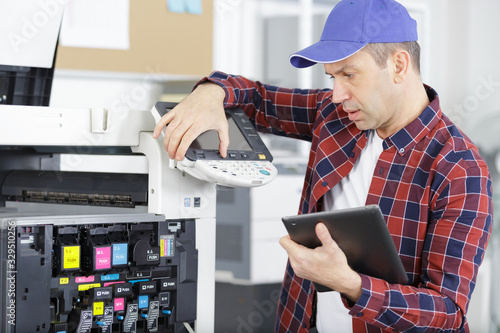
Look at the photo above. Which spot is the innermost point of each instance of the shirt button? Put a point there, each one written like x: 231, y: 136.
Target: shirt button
x: 324, y: 184
x: 401, y: 150
x: 360, y: 314
x: 353, y: 154
x: 380, y: 171
x: 304, y: 325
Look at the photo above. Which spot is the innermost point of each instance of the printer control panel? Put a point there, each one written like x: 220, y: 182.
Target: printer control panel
x: 248, y: 161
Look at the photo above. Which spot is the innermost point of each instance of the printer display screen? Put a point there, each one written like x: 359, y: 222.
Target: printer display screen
x: 210, y: 139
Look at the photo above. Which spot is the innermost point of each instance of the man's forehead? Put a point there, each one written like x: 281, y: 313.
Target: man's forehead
x: 353, y: 62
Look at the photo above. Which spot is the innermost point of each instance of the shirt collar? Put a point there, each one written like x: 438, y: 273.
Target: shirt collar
x: 406, y: 138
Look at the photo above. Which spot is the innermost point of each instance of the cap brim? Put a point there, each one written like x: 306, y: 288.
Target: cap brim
x: 325, y: 52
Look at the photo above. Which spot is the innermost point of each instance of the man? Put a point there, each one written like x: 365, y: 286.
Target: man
x: 379, y: 137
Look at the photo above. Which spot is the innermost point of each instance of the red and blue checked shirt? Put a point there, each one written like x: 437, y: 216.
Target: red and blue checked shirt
x: 430, y: 183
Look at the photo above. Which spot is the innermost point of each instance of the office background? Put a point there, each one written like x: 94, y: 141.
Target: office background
x: 460, y: 52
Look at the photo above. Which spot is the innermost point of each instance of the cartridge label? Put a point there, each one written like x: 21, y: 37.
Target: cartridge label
x: 164, y: 298
x: 84, y: 287
x: 120, y: 254
x: 110, y: 277
x: 119, y: 304
x: 85, y: 279
x: 98, y: 308
x: 103, y: 257
x: 143, y: 301
x: 71, y: 257
x: 167, y: 245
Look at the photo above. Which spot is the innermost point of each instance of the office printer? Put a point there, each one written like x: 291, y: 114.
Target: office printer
x: 97, y: 233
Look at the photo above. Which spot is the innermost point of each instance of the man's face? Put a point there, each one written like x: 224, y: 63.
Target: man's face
x: 366, y: 92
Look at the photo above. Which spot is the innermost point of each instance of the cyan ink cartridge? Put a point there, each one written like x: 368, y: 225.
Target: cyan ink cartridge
x: 117, y: 235
x: 119, y: 254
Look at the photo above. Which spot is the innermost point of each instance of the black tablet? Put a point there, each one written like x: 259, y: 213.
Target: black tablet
x: 361, y: 233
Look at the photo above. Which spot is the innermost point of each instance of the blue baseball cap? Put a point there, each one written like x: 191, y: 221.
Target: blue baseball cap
x: 353, y: 24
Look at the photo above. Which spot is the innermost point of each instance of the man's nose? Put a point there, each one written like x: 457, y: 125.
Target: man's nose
x: 340, y: 93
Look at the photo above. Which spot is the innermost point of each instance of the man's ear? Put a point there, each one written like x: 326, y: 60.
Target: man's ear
x: 401, y: 65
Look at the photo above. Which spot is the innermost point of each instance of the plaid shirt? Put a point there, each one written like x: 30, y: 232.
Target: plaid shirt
x: 430, y: 183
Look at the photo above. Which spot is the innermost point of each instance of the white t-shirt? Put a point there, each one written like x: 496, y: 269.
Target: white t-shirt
x: 332, y: 316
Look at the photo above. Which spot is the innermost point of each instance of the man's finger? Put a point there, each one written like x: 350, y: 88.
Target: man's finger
x: 224, y: 142
x: 324, y: 235
x: 286, y: 242
x: 174, y: 135
x: 160, y: 126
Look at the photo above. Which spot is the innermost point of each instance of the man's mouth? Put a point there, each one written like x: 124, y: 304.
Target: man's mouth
x: 353, y: 114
